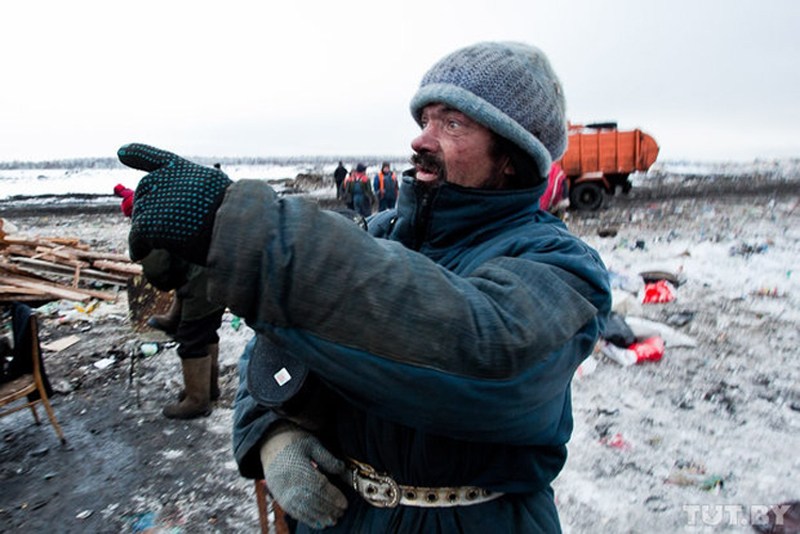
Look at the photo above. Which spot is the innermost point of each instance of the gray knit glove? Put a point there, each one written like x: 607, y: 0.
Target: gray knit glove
x: 175, y: 205
x: 295, y: 463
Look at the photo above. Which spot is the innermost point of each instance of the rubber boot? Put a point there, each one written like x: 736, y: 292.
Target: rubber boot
x: 196, y: 380
x: 169, y: 321
x: 213, y: 392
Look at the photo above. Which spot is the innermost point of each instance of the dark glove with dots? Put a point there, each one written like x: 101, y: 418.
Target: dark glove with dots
x: 174, y: 205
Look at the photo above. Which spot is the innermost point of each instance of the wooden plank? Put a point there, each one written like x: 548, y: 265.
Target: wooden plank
x: 60, y: 253
x: 20, y: 250
x: 66, y: 270
x: 60, y: 291
x: 70, y: 241
x: 111, y: 256
x: 60, y: 260
x: 128, y: 268
x: 73, y: 254
x: 49, y: 265
x: 16, y: 240
x: 20, y: 290
x: 52, y: 268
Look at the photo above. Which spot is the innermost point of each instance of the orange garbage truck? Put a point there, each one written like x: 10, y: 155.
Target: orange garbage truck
x: 599, y: 160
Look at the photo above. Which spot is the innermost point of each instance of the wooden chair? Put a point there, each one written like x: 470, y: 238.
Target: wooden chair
x: 18, y: 388
x: 270, y: 515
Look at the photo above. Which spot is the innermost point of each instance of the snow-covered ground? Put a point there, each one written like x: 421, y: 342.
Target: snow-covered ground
x: 703, y: 440
x: 88, y: 180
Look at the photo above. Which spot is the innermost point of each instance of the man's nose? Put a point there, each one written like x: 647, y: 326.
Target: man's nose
x: 426, y: 141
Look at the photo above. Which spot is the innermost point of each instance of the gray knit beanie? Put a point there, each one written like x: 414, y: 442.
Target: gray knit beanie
x: 508, y: 87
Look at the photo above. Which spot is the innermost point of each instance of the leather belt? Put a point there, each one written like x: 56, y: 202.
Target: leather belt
x: 383, y: 492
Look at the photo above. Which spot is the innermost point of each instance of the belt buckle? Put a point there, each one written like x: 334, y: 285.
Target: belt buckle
x: 379, y: 490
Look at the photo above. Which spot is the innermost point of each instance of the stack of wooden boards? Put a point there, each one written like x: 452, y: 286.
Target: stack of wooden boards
x: 52, y: 268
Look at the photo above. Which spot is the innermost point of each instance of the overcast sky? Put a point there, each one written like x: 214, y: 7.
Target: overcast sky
x: 709, y: 79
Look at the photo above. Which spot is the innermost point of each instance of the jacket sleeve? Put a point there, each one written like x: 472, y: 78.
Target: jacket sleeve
x: 251, y: 421
x: 498, y: 331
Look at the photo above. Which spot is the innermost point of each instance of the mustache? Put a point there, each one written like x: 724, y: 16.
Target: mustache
x: 429, y: 162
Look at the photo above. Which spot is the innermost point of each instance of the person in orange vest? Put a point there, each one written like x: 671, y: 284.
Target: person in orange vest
x: 386, y: 187
x: 358, y: 192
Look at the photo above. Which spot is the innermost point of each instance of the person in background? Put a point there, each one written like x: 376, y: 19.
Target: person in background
x: 444, y: 390
x: 358, y: 192
x: 191, y: 321
x: 126, y: 205
x: 555, y: 198
x: 386, y: 187
x: 339, y: 174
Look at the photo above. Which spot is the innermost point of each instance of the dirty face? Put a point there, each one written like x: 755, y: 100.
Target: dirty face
x: 454, y: 148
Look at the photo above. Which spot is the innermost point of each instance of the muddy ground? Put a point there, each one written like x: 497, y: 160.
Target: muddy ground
x: 716, y: 425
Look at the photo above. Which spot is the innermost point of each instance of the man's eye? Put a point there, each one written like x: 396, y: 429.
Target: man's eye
x: 453, y: 124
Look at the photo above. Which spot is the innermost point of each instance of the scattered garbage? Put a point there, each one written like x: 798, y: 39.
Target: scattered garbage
x: 681, y: 318
x: 143, y: 522
x: 104, y: 363
x: 625, y: 303
x: 770, y: 292
x: 693, y: 474
x: 87, y: 309
x: 627, y: 282
x: 658, y: 292
x: 644, y: 328
x: 622, y: 356
x: 746, y: 250
x: 617, y: 442
x: 61, y: 344
x: 617, y: 331
x: 148, y: 349
x: 648, y: 350
x: 676, y: 278
x: 608, y: 232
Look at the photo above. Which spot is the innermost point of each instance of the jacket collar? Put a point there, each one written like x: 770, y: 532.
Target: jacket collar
x: 446, y: 214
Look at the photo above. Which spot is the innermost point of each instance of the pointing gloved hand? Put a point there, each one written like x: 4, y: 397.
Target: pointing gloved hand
x: 174, y: 205
x: 295, y: 463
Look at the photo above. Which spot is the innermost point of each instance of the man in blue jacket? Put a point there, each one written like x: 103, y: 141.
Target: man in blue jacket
x: 453, y: 412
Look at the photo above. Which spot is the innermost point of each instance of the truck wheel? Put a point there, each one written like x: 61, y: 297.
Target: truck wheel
x: 619, y: 182
x: 586, y: 196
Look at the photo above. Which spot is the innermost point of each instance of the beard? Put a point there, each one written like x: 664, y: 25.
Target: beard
x: 430, y: 163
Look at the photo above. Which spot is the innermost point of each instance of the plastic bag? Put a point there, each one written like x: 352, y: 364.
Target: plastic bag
x: 658, y: 292
x: 648, y: 350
